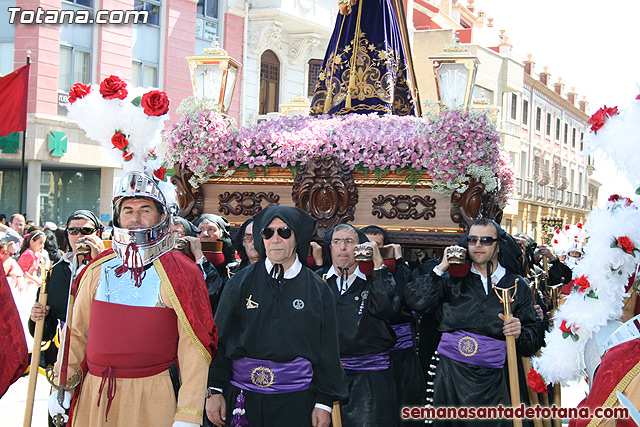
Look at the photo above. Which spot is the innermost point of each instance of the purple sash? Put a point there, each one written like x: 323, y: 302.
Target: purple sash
x: 404, y: 334
x: 479, y: 350
x: 367, y: 362
x: 267, y: 377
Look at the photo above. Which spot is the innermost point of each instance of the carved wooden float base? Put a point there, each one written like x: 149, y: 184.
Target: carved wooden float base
x: 415, y: 216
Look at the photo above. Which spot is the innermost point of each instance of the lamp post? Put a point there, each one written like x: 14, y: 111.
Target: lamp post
x: 213, y: 76
x: 455, y: 71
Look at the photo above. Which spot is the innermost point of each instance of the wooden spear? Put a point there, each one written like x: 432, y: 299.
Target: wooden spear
x: 512, y: 358
x: 35, y: 354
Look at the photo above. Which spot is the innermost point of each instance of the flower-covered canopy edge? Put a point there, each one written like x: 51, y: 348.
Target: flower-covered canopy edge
x: 449, y: 147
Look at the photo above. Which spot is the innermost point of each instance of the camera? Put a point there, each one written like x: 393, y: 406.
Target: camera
x: 181, y: 245
x: 82, y: 247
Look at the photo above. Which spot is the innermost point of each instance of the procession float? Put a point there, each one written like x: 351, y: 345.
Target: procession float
x: 422, y: 179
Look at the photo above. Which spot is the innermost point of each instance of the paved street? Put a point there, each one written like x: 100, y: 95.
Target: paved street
x: 13, y: 402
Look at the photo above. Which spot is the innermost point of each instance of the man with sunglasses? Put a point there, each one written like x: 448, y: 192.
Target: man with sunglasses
x: 278, y: 360
x: 83, y: 231
x: 472, y: 349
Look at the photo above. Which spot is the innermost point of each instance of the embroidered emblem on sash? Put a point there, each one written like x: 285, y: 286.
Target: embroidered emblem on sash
x: 251, y: 304
x: 467, y: 346
x: 298, y: 304
x: 262, y: 377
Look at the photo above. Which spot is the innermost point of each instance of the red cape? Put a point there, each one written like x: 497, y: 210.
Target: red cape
x: 616, y: 370
x: 14, y: 356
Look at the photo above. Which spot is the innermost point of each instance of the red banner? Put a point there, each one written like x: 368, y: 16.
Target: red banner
x: 13, y: 98
x: 14, y: 357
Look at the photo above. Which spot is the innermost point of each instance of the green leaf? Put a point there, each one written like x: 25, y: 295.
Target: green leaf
x: 170, y: 172
x: 251, y: 173
x: 592, y: 294
x: 638, y: 191
x: 136, y: 101
x: 265, y: 169
x: 566, y: 334
x: 575, y: 337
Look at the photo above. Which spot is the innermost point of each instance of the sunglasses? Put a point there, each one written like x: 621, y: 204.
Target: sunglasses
x: 84, y: 230
x: 484, y: 240
x: 284, y: 232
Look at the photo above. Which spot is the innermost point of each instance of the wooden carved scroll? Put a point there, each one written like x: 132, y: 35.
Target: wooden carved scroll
x: 404, y: 207
x: 325, y: 189
x: 473, y: 204
x: 248, y: 203
x: 190, y: 200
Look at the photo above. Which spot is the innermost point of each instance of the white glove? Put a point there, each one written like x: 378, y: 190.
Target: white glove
x: 55, y: 408
x: 183, y: 424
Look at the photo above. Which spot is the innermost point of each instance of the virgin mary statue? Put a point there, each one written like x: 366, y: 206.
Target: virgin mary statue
x: 365, y: 68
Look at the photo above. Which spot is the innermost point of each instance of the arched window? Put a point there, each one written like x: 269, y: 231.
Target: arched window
x: 269, y: 82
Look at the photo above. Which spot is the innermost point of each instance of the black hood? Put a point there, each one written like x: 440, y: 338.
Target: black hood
x: 510, y: 255
x: 221, y: 222
x: 296, y: 219
x: 326, y: 249
x: 87, y: 215
x: 190, y: 229
x: 374, y: 229
x: 238, y: 240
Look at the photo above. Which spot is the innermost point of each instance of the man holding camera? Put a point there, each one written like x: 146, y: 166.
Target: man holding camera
x: 83, y: 232
x: 364, y: 305
x: 473, y: 345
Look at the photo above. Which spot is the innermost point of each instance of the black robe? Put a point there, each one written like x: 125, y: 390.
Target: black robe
x: 405, y: 363
x: 466, y: 306
x: 372, y: 395
x: 57, y: 298
x: 279, y: 332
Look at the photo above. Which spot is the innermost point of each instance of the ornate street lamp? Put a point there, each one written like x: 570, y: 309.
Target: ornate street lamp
x: 455, y: 71
x: 213, y: 76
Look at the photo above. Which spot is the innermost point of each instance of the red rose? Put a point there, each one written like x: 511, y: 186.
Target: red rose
x: 112, y: 87
x: 611, y: 111
x: 626, y: 244
x: 597, y: 120
x: 566, y: 227
x: 127, y: 156
x: 582, y: 283
x: 119, y: 141
x: 579, y: 225
x: 627, y: 201
x: 536, y: 382
x: 555, y: 241
x: 155, y: 103
x: 159, y: 173
x: 78, y: 91
x: 557, y: 231
x: 638, y: 97
x: 614, y: 198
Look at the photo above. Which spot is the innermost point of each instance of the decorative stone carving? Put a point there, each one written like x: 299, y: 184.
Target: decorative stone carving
x: 473, y: 204
x: 190, y: 200
x: 269, y: 37
x: 325, y: 189
x: 302, y: 47
x: 404, y: 207
x: 249, y: 203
